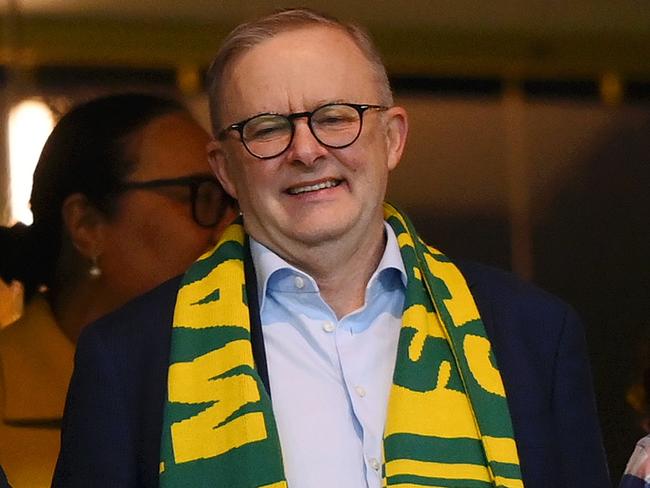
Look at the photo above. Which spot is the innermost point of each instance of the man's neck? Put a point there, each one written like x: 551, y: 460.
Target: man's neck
x: 341, y: 268
x: 343, y: 286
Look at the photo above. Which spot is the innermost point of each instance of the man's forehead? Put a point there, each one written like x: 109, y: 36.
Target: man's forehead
x: 318, y: 40
x: 306, y: 32
x: 312, y: 63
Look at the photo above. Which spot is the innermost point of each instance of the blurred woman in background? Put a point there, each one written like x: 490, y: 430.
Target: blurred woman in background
x: 123, y: 199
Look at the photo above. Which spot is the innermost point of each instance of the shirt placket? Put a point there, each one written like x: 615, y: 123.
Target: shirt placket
x: 361, y: 393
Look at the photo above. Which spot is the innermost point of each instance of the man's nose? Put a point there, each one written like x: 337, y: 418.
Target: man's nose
x: 305, y: 148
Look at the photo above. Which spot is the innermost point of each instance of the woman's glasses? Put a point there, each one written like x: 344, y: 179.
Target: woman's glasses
x: 208, y: 198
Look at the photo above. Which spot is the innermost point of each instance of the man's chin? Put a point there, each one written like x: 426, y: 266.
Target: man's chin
x: 318, y: 234
x: 317, y: 237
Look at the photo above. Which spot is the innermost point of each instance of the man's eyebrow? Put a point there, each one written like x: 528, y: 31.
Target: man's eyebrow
x: 328, y: 101
x: 259, y: 112
x: 314, y: 106
x: 322, y: 102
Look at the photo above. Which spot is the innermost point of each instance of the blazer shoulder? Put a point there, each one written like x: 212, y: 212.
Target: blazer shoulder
x: 145, y: 315
x: 505, y: 289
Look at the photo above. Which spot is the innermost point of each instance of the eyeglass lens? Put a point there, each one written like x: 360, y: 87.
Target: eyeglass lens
x: 332, y: 125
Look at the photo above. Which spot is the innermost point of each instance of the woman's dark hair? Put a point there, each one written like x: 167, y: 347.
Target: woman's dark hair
x: 85, y: 153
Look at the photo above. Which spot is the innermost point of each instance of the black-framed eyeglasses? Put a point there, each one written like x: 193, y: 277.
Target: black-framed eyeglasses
x: 335, y: 125
x: 209, y: 200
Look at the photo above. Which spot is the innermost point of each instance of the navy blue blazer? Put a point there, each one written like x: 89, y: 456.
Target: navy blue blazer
x: 112, y: 423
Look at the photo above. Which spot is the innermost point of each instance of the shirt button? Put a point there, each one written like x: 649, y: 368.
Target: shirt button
x: 329, y: 326
x: 299, y: 282
x: 361, y: 391
x: 374, y: 464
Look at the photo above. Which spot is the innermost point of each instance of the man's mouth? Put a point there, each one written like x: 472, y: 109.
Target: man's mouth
x: 297, y: 190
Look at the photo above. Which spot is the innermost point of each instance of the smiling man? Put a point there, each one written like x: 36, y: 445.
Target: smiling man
x: 310, y: 160
x: 322, y: 343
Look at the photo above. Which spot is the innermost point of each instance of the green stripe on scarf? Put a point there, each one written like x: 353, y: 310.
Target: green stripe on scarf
x: 448, y: 422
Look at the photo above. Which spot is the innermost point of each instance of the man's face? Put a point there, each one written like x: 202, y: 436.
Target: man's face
x: 298, y: 71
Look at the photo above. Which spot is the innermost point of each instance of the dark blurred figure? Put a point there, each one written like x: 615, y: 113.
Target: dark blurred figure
x: 123, y: 199
x: 592, y: 250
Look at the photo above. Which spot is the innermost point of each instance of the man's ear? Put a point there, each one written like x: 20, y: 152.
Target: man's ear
x: 219, y: 164
x: 397, y: 128
x: 84, y: 224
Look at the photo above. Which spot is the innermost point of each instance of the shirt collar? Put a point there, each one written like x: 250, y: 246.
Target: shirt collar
x: 267, y: 263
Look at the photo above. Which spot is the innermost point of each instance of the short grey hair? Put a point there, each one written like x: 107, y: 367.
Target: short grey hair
x: 248, y: 35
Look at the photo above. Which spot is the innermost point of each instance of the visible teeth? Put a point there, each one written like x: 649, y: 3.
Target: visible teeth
x: 319, y: 186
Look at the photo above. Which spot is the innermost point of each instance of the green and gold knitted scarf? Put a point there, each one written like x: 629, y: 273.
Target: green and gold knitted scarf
x: 448, y: 421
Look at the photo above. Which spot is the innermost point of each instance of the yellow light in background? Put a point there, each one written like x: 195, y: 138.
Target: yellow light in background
x: 30, y: 123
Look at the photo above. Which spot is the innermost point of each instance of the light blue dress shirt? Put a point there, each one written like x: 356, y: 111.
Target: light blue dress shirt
x: 329, y: 378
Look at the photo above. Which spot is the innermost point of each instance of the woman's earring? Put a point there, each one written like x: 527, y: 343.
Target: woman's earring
x: 94, y: 271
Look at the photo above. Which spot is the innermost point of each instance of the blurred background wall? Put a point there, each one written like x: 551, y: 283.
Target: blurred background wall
x: 529, y: 147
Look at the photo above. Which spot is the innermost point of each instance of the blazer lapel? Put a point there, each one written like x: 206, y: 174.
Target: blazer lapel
x: 257, y: 338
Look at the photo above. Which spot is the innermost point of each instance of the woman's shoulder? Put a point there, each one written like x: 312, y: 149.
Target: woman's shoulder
x: 35, y: 313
